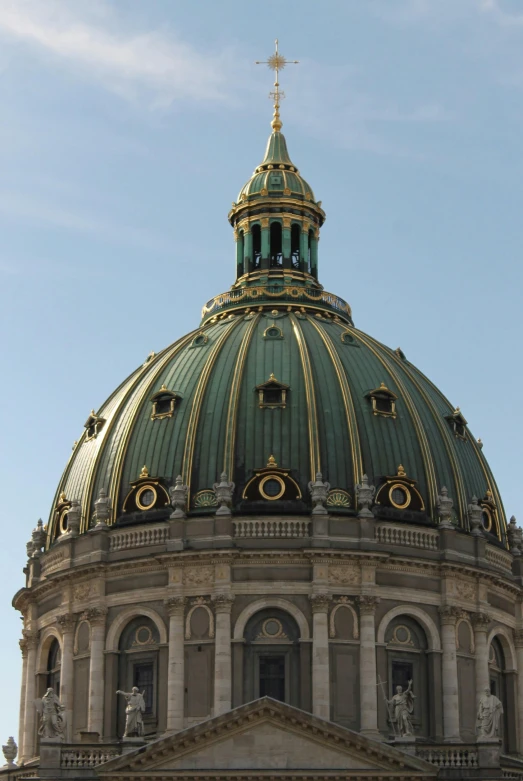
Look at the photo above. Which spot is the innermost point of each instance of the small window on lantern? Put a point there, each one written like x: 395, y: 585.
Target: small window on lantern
x: 164, y: 403
x: 272, y: 394
x: 383, y: 401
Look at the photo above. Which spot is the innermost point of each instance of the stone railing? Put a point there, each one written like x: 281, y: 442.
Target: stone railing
x: 271, y: 529
x: 124, y: 539
x: 449, y: 756
x: 87, y: 756
x: 53, y: 559
x: 407, y: 536
x: 499, y: 558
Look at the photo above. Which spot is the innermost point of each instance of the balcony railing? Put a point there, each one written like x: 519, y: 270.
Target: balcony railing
x: 273, y: 293
x: 271, y: 529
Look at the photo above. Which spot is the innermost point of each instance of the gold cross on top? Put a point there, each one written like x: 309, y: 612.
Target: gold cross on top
x: 276, y: 62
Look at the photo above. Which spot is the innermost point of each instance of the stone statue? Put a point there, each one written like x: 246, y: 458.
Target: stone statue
x: 318, y: 491
x: 475, y: 514
x: 490, y: 711
x: 102, y: 509
x: 402, y: 705
x: 133, y: 713
x: 74, y: 517
x: 515, y: 537
x: 445, y: 505
x: 224, y: 492
x: 52, y: 716
x: 10, y: 750
x: 178, y: 493
x: 365, y: 495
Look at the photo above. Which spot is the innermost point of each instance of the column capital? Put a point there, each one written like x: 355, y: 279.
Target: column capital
x: 95, y: 615
x: 175, y: 606
x: 223, y: 602
x: 368, y: 604
x: 320, y: 602
x: 480, y: 621
x: 30, y: 639
x: 66, y: 622
x: 449, y: 614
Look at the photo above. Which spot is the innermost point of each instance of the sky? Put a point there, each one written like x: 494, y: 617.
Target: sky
x: 127, y: 128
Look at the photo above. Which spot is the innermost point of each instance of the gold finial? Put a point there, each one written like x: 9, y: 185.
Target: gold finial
x: 272, y: 461
x: 61, y: 498
x: 401, y: 471
x: 277, y: 63
x: 272, y: 378
x: 144, y: 472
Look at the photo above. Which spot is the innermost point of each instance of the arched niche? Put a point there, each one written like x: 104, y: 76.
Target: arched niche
x: 49, y: 634
x: 343, y: 622
x: 199, y: 622
x: 506, y: 641
x: 82, y: 637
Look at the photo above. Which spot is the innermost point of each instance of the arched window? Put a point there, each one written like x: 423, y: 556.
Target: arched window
x: 138, y: 666
x: 54, y: 665
x: 295, y: 245
x: 272, y: 657
x: 256, y: 246
x: 406, y: 659
x: 276, y: 256
x: 240, y: 252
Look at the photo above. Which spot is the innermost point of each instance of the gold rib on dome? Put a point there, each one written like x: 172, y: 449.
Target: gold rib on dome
x: 312, y: 414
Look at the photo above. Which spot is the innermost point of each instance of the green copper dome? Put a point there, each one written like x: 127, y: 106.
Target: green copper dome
x: 275, y: 387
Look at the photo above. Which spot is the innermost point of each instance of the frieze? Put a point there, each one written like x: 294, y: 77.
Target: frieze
x: 462, y: 589
x: 82, y: 591
x: 344, y: 575
x: 198, y: 576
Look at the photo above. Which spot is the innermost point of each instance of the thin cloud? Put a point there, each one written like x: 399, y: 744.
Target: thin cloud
x: 27, y: 210
x: 156, y: 62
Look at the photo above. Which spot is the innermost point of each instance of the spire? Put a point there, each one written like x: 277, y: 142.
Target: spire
x: 276, y: 62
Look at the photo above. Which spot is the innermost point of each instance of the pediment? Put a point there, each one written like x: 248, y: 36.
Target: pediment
x: 262, y: 736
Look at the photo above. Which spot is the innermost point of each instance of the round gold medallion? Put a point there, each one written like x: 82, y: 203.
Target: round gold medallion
x: 399, y: 496
x: 146, y: 497
x: 272, y: 487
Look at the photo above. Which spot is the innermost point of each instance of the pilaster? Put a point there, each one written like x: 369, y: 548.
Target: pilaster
x: 97, y: 618
x: 176, y: 670
x: 448, y: 617
x: 368, y: 688
x: 222, y: 658
x: 320, y: 655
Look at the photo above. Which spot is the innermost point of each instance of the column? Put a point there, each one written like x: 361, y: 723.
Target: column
x: 481, y: 623
x: 304, y: 247
x: 286, y: 242
x: 449, y: 673
x: 67, y: 623
x: 368, y: 683
x: 222, y: 653
x: 314, y: 254
x: 32, y: 640
x: 96, y: 617
x: 265, y: 242
x: 518, y: 638
x: 247, y: 250
x: 239, y: 239
x: 23, y: 649
x: 176, y: 667
x: 320, y: 656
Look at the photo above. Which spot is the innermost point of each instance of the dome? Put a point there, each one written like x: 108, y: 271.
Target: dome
x: 291, y: 385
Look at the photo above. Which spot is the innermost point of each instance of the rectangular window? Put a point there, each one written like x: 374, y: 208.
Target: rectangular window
x: 143, y: 678
x: 272, y: 677
x: 402, y: 673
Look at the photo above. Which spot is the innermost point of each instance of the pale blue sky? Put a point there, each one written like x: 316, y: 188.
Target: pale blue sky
x: 127, y: 129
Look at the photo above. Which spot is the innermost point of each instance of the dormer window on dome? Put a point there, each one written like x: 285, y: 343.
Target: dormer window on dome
x: 147, y: 493
x: 164, y: 403
x: 458, y: 423
x: 489, y: 514
x: 273, y: 332
x: 400, y: 492
x: 272, y: 483
x: 383, y: 401
x: 93, y: 425
x: 272, y: 394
